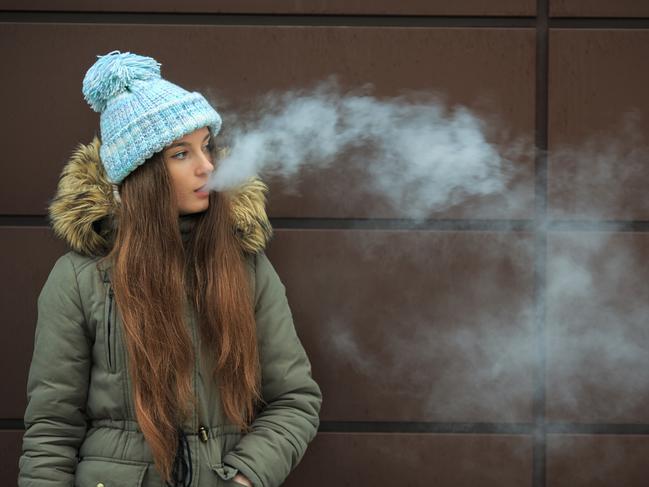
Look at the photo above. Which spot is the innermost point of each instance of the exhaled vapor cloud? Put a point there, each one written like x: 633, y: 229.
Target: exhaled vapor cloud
x: 423, y: 156
x: 417, y: 153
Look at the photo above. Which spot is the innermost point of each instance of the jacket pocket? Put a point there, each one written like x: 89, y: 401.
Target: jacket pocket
x: 110, y: 331
x: 92, y: 471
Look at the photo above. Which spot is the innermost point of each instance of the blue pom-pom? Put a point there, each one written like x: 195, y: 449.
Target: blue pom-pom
x: 113, y: 73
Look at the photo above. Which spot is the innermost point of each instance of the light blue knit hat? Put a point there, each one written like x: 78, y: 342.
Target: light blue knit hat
x: 141, y: 113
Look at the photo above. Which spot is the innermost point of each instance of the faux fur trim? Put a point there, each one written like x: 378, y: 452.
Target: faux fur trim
x: 84, y: 199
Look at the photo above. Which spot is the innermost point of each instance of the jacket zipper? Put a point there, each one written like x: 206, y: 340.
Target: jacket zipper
x: 108, y: 326
x: 192, y: 325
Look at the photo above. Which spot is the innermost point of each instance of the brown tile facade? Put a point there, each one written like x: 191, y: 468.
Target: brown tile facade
x: 597, y: 461
x: 412, y: 344
x: 378, y: 7
x: 503, y: 341
x: 598, y: 124
x: 597, y: 333
x: 598, y: 8
x: 10, y: 445
x: 28, y: 254
x: 489, y: 70
x: 416, y: 459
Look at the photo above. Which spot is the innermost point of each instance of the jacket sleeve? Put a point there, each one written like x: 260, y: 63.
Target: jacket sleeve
x: 57, y: 384
x: 282, y: 430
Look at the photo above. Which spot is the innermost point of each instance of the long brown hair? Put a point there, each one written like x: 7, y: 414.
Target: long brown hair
x: 155, y: 276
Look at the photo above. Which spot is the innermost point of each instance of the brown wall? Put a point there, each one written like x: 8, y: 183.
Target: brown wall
x: 473, y: 364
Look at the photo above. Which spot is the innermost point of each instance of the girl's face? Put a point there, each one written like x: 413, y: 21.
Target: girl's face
x: 189, y: 163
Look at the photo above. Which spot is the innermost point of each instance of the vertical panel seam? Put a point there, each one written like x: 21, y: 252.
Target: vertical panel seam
x: 540, y: 242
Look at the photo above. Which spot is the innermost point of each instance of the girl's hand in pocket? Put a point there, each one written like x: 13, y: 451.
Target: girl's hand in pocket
x: 240, y: 479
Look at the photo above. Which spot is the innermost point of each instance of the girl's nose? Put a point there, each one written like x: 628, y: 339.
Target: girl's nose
x: 206, y: 165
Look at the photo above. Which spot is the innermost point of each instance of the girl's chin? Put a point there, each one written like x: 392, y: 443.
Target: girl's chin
x: 195, y: 208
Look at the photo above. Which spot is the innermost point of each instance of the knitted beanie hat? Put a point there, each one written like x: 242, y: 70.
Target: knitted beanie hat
x: 141, y: 113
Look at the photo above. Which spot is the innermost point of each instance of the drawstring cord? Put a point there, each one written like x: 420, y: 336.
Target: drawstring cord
x: 182, y: 470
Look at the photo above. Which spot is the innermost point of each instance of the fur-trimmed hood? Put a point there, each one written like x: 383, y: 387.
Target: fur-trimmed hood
x: 83, y: 209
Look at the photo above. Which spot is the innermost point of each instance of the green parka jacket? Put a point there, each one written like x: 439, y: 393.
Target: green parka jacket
x: 80, y: 423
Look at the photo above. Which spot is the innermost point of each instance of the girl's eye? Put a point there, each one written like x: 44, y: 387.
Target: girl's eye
x: 182, y: 155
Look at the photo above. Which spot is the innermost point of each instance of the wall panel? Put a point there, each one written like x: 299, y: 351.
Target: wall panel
x: 597, y: 461
x: 26, y: 260
x: 414, y: 326
x: 488, y: 70
x: 598, y: 121
x: 598, y: 8
x: 597, y: 333
x: 416, y: 459
x: 10, y: 447
x: 320, y: 7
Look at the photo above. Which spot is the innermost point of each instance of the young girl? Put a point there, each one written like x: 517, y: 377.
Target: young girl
x: 165, y: 352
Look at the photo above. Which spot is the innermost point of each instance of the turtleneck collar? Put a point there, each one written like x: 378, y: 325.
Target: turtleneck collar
x: 186, y: 224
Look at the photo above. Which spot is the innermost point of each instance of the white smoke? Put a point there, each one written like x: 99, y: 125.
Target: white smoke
x: 454, y: 342
x: 481, y: 358
x: 471, y: 351
x: 598, y: 306
x: 417, y: 153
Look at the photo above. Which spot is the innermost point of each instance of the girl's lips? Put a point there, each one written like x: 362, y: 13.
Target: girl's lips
x: 201, y: 192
